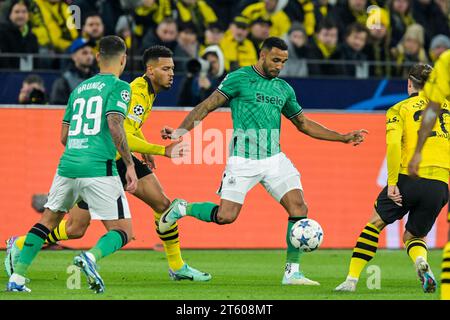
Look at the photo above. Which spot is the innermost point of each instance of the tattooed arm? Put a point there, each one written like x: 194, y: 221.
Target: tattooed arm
x: 115, y: 124
x: 215, y: 100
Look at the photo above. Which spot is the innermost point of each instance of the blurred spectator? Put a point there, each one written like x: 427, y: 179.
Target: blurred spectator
x: 149, y: 14
x: 378, y: 49
x: 270, y: 10
x: 93, y: 28
x: 213, y: 35
x: 109, y: 10
x: 438, y: 45
x: 49, y: 22
x: 401, y: 17
x: 124, y: 29
x: 259, y: 31
x: 202, y: 77
x: 238, y: 51
x: 349, y: 11
x: 428, y: 14
x: 80, y: 70
x: 309, y: 12
x: 197, y: 12
x: 324, y: 47
x: 410, y: 50
x: 165, y: 34
x: 187, y: 41
x: 297, y: 42
x: 32, y: 91
x: 352, y: 49
x: 15, y: 34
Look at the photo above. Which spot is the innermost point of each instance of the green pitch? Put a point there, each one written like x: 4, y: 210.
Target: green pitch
x: 237, y: 274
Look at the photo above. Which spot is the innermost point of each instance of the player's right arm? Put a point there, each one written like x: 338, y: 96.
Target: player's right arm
x: 227, y: 90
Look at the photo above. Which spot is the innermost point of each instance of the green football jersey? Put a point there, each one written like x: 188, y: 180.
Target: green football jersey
x: 90, y: 149
x: 257, y: 103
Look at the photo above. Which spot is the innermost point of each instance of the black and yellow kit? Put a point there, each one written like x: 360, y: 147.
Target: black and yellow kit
x: 423, y: 198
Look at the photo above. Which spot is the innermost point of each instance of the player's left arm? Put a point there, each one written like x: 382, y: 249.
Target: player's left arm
x: 66, y: 121
x: 318, y: 131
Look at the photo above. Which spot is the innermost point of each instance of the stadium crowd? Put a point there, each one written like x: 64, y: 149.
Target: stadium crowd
x: 351, y: 38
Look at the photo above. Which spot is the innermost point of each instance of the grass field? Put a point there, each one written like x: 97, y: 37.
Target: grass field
x: 237, y: 274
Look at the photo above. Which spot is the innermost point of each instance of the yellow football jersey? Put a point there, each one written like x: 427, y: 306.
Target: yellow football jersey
x: 437, y: 88
x: 142, y: 98
x: 402, y: 124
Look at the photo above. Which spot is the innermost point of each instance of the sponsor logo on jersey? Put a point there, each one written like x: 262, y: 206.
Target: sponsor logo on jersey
x: 261, y: 97
x: 138, y: 110
x: 392, y: 120
x: 125, y: 94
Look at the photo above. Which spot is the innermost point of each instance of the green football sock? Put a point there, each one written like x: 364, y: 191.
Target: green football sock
x: 109, y: 243
x: 292, y: 253
x: 205, y: 211
x: 33, y: 243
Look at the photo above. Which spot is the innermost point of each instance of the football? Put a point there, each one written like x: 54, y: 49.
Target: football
x: 306, y: 235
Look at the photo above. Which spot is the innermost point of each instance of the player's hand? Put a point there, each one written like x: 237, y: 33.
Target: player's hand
x: 149, y: 160
x: 356, y: 137
x: 166, y: 132
x: 413, y: 166
x: 394, y: 194
x: 176, y: 149
x: 131, y: 178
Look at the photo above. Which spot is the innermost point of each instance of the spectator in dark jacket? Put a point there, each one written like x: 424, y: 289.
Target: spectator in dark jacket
x: 324, y: 47
x: 297, y: 43
x: 428, y: 14
x: 349, y: 11
x: 80, y: 70
x: 16, y: 35
x: 352, y: 49
x: 400, y: 18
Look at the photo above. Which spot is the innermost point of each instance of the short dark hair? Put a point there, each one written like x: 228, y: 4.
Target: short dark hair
x: 34, y: 78
x: 274, y: 42
x: 418, y: 74
x: 89, y: 15
x: 327, y: 24
x: 155, y: 52
x: 355, y: 27
x: 111, y: 46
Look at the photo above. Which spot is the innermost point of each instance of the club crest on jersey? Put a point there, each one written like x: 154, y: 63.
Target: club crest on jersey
x: 125, y: 94
x: 232, y: 180
x: 138, y: 110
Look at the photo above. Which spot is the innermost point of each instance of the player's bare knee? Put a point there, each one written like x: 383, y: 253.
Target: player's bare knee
x: 408, y: 236
x: 76, y: 231
x: 299, y: 210
x: 224, y: 217
x: 161, y: 205
x: 377, y: 221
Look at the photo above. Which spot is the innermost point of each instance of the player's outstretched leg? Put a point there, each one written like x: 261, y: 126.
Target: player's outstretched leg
x: 445, y: 275
x: 109, y: 243
x: 418, y: 252
x: 178, y: 269
x: 292, y: 273
x: 15, y: 244
x: 365, y: 249
x: 205, y: 211
x: 33, y: 244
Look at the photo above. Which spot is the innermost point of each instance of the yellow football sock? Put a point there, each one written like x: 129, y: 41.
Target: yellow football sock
x: 415, y: 248
x: 171, y: 243
x: 445, y: 275
x: 19, y: 242
x: 365, y: 249
x: 58, y: 234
